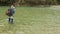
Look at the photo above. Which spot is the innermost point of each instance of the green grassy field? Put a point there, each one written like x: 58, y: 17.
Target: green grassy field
x: 31, y: 20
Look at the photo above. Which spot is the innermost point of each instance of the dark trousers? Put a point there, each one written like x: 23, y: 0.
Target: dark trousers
x: 10, y: 19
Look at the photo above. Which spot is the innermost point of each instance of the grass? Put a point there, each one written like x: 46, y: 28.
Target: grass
x: 31, y: 20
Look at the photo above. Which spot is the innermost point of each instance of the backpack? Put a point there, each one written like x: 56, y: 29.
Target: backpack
x: 8, y: 12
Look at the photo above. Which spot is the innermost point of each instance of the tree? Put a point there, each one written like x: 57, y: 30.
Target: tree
x: 29, y: 2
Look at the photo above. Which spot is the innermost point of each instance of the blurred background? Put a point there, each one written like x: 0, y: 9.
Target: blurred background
x: 31, y: 17
x: 29, y: 2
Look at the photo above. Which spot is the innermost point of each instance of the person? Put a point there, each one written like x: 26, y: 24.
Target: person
x: 11, y: 12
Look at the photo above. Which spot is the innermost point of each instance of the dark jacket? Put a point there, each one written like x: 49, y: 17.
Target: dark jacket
x: 12, y: 11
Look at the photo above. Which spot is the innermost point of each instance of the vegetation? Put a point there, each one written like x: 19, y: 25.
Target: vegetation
x: 31, y: 20
x: 30, y: 2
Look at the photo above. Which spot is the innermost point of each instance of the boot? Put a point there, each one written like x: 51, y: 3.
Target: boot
x: 9, y: 20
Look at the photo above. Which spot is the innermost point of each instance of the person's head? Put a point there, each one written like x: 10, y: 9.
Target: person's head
x: 12, y: 6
